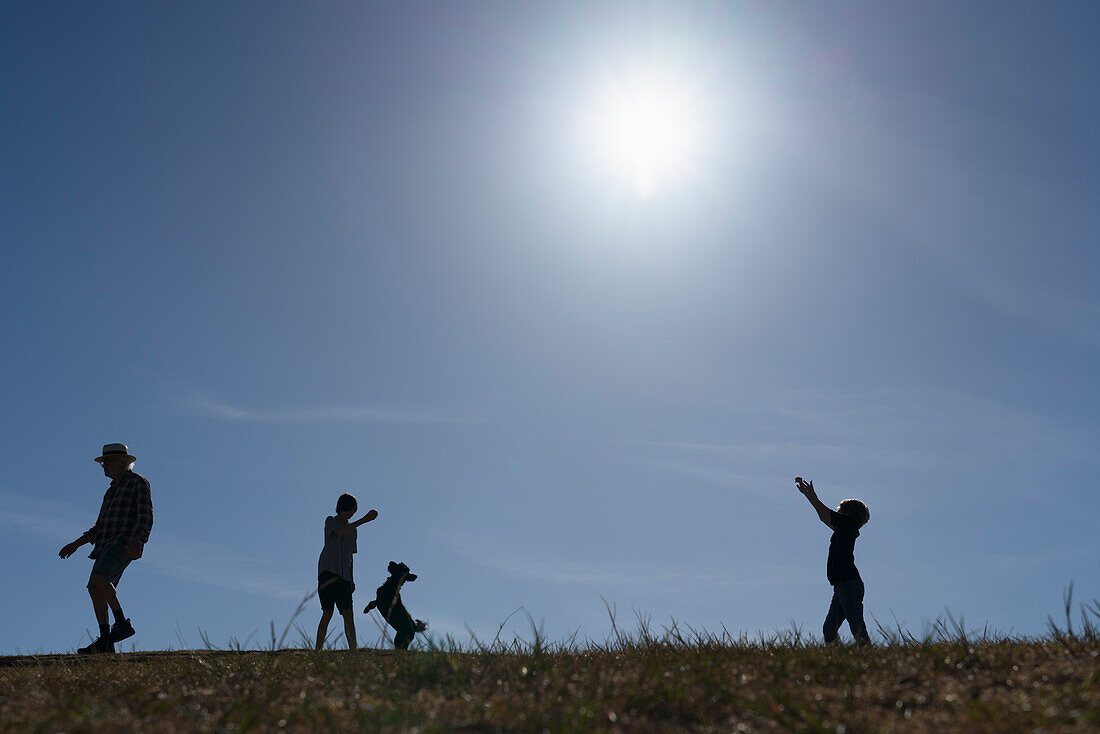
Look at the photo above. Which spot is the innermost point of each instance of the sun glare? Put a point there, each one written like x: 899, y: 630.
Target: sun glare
x: 644, y: 132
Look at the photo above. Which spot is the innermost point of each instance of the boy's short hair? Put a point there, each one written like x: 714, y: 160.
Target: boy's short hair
x: 855, y: 508
x: 347, y: 502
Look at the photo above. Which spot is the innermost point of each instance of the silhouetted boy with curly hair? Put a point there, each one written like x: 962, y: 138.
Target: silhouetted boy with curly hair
x: 848, y: 589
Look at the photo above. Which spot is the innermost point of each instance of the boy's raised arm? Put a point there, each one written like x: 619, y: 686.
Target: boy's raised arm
x: 348, y: 528
x: 807, y: 489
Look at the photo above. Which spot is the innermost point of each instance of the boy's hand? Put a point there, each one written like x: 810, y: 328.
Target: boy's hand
x: 370, y: 515
x: 134, y: 548
x: 68, y: 550
x: 806, y: 488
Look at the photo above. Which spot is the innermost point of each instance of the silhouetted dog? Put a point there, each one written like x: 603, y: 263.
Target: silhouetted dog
x: 388, y: 600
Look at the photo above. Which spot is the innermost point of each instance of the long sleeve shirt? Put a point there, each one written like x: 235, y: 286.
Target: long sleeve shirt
x: 126, y: 514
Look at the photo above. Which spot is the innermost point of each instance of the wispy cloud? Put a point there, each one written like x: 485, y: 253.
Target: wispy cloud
x: 933, y: 206
x: 718, y: 473
x: 783, y: 450
x: 206, y: 406
x: 874, y: 432
x: 44, y: 518
x: 200, y: 563
x: 890, y: 426
x: 522, y: 562
x: 223, y: 568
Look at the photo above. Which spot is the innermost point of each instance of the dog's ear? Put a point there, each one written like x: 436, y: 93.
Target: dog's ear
x: 411, y: 577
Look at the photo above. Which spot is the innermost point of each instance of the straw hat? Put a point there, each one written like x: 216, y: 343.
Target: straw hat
x: 115, y: 449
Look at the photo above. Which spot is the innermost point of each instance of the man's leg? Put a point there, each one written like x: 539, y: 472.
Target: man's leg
x: 349, y: 628
x: 322, y: 627
x: 106, y: 573
x: 833, y: 619
x: 110, y: 596
x: 851, y: 599
x: 97, y: 589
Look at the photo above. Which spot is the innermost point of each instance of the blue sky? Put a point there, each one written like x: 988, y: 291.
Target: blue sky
x: 289, y: 250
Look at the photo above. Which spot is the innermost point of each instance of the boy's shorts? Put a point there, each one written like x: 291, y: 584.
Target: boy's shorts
x: 333, y: 590
x: 112, y: 561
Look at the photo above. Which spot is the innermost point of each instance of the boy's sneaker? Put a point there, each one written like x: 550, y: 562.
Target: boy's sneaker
x: 100, y: 646
x: 121, y: 630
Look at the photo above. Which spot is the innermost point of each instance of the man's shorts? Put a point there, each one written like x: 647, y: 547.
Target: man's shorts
x: 334, y: 591
x: 112, y: 561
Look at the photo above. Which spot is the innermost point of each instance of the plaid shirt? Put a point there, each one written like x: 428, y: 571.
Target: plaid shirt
x: 126, y: 513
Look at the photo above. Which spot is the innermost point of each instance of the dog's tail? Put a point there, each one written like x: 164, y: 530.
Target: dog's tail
x: 420, y: 625
x: 370, y: 606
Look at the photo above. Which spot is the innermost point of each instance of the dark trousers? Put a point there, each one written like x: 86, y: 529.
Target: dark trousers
x: 847, y: 604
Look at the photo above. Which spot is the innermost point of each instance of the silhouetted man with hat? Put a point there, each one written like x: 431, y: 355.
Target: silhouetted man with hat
x: 118, y: 537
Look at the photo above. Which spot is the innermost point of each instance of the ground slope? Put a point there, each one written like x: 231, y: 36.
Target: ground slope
x: 1052, y: 686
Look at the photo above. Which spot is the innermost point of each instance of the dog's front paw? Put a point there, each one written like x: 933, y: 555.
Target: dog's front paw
x: 420, y: 625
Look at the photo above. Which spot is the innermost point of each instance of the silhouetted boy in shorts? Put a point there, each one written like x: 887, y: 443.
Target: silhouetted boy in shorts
x: 335, y: 582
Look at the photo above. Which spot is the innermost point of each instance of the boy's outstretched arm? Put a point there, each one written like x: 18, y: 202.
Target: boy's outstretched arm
x: 807, y: 489
x: 347, y: 528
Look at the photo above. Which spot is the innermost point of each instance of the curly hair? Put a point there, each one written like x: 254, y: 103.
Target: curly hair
x: 855, y: 508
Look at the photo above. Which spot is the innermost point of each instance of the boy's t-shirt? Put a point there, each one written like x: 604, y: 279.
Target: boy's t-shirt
x: 841, y: 566
x: 336, y: 555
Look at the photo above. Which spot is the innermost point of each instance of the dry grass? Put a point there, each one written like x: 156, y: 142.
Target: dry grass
x: 678, y: 680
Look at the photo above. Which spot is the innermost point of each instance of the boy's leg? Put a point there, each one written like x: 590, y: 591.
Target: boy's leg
x: 851, y: 598
x: 349, y: 628
x: 322, y: 627
x: 326, y: 594
x: 833, y: 619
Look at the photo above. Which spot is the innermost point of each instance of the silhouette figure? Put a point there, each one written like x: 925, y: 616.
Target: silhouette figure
x: 335, y: 582
x: 388, y: 600
x: 841, y: 569
x: 119, y: 536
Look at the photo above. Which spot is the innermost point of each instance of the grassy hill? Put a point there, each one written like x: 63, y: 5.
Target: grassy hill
x: 637, y: 684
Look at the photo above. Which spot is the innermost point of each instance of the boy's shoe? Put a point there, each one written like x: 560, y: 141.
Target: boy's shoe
x: 100, y: 646
x: 121, y: 630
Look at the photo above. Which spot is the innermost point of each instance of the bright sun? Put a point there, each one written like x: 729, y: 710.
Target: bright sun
x: 644, y: 131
